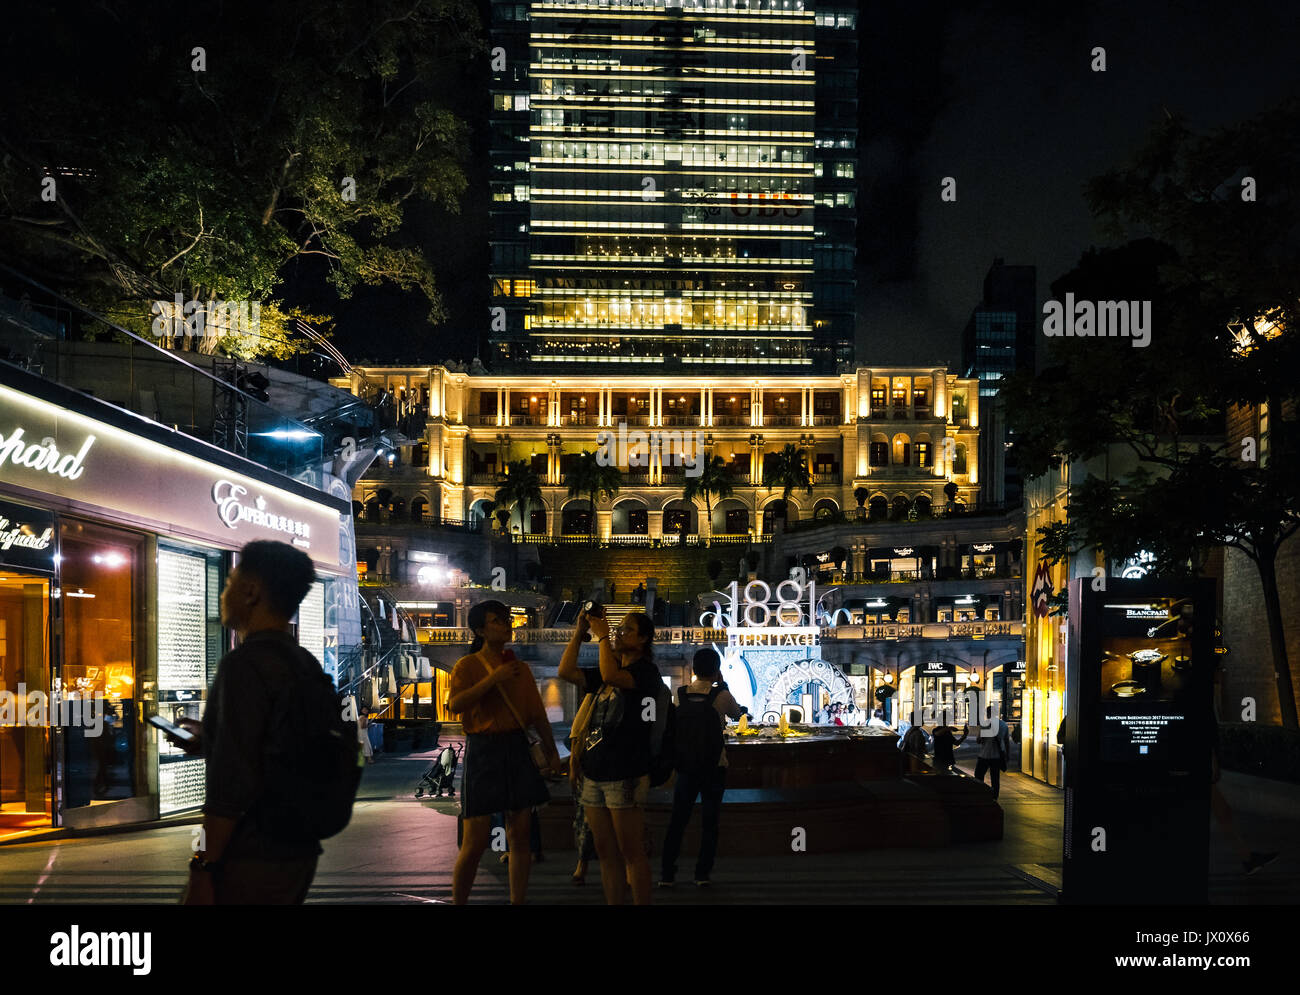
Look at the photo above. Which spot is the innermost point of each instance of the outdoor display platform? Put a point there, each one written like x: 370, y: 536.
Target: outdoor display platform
x: 846, y: 788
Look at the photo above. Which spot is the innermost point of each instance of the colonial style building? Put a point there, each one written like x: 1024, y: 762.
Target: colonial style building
x: 885, y: 439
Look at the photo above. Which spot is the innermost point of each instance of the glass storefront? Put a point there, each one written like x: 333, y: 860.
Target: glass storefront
x: 112, y: 562
x: 103, y: 613
x: 25, y: 794
x: 190, y: 643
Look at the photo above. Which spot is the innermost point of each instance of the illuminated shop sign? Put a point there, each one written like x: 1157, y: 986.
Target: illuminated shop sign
x: 26, y: 537
x: 935, y: 668
x: 43, y: 455
x: 904, y: 550
x: 98, y: 467
x: 982, y: 547
x: 232, y: 511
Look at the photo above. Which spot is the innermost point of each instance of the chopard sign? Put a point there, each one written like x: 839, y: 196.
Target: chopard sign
x: 231, y: 510
x: 18, y: 535
x: 43, y: 455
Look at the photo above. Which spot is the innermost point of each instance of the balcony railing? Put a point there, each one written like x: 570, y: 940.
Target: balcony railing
x: 654, y: 541
x: 826, y: 419
x: 698, y: 634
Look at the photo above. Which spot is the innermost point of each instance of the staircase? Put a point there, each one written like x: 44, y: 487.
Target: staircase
x: 682, y: 572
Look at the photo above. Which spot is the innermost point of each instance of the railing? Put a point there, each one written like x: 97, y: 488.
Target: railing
x: 826, y: 419
x: 484, y: 478
x: 698, y: 634
x: 364, y: 524
x: 443, y: 637
x: 535, y: 539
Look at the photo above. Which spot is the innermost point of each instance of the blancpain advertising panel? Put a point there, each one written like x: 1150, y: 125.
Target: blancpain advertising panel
x: 50, y: 450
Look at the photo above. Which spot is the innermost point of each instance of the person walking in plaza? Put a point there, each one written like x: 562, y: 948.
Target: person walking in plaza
x: 497, y: 699
x: 703, y: 707
x: 993, y: 754
x: 245, y: 859
x: 944, y: 744
x: 615, y: 756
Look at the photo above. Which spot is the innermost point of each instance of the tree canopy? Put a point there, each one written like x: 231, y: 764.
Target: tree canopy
x: 1214, y: 223
x: 200, y: 161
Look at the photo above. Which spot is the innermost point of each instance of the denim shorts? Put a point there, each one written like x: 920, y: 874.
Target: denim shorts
x: 630, y: 793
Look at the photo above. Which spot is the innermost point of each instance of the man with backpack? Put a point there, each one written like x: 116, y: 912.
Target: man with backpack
x: 703, y: 707
x: 283, y: 762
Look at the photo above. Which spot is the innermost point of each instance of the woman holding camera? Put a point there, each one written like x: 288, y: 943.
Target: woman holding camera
x: 497, y: 699
x: 615, y: 753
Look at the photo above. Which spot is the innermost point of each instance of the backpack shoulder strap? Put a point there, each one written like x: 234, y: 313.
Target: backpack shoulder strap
x: 713, y: 694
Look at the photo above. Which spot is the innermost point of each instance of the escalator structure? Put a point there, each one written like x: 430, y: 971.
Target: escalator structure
x: 389, y: 663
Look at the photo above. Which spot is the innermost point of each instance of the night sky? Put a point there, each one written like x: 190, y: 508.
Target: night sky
x: 1003, y: 99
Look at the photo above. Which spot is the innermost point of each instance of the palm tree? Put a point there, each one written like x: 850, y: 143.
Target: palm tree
x: 589, y: 478
x: 789, y: 470
x: 520, y: 485
x: 713, y: 481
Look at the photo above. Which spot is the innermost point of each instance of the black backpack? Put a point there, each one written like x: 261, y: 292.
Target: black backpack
x: 312, y: 763
x: 663, y: 737
x: 699, y: 732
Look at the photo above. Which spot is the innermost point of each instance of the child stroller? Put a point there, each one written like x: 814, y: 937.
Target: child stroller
x: 439, y: 777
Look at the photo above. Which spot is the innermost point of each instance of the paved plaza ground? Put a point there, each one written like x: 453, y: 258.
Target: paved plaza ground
x: 400, y: 850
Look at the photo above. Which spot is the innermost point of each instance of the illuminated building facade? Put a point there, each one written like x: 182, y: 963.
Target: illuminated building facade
x: 673, y: 186
x: 899, y: 435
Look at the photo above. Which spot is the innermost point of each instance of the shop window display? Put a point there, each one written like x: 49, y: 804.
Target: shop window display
x: 101, y: 599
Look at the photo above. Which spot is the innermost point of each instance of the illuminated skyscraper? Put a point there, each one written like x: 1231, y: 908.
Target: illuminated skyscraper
x: 655, y: 180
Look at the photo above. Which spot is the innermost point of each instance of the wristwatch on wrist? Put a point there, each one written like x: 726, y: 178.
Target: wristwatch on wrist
x: 198, y: 863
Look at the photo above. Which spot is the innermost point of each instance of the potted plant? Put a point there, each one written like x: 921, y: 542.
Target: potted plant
x: 860, y: 495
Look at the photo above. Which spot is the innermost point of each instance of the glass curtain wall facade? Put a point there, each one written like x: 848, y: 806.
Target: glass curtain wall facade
x: 669, y: 185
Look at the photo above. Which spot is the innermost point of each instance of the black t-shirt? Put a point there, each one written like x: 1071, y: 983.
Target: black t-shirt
x: 618, y: 740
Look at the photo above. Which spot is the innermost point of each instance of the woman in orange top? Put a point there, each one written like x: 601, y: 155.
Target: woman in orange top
x: 500, y: 775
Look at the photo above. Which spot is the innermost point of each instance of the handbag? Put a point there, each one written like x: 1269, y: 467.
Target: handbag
x: 535, y: 748
x: 578, y: 738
